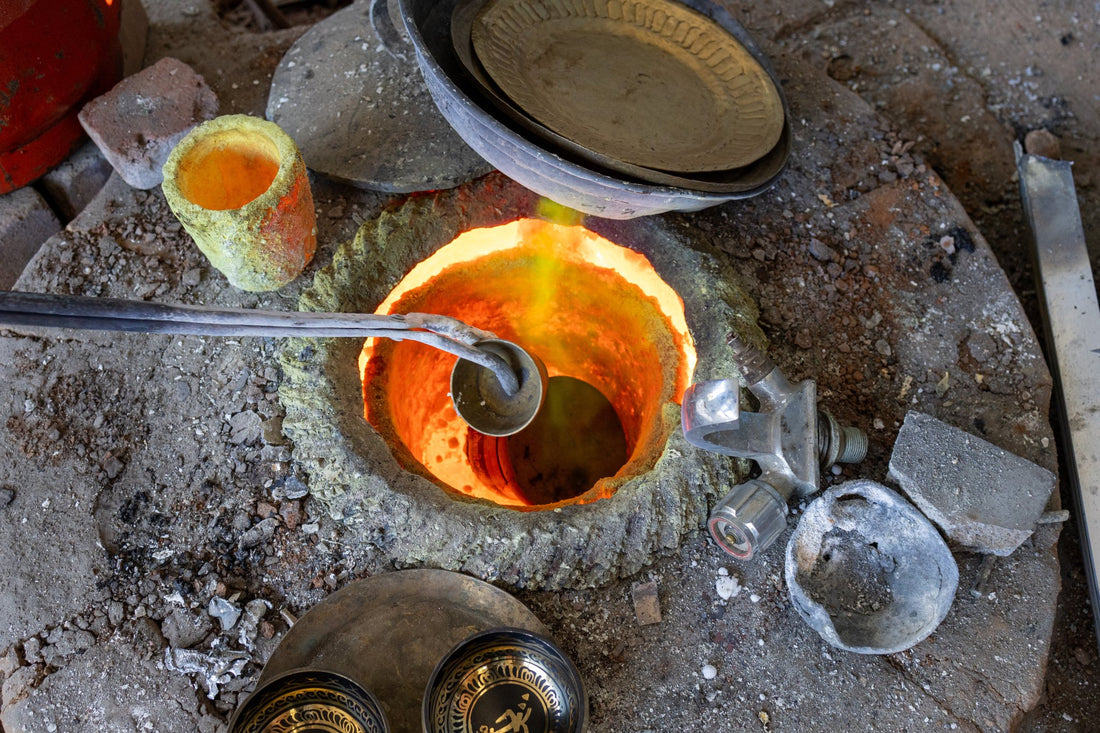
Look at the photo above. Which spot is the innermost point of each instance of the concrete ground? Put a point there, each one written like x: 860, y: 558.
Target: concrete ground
x: 960, y: 81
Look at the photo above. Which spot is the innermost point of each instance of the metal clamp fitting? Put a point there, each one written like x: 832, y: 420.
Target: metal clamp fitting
x: 789, y: 438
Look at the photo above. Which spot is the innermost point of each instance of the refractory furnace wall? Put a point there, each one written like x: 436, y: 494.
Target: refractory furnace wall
x: 416, y: 521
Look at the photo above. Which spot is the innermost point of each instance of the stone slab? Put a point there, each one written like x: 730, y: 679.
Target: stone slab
x: 141, y: 119
x: 981, y: 496
x: 350, y: 94
x: 75, y: 182
x: 26, y: 222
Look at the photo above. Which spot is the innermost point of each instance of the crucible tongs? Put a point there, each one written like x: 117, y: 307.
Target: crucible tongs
x: 513, y: 382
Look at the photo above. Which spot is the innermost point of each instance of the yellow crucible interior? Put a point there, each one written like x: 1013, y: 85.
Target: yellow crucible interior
x: 228, y: 169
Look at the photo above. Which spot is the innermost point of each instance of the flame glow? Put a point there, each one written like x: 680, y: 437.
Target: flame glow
x: 589, y: 308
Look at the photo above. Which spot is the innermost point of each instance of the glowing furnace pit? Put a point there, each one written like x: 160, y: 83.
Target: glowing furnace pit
x: 596, y: 313
x: 392, y: 509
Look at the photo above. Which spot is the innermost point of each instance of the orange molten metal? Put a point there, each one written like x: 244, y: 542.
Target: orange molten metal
x: 590, y: 309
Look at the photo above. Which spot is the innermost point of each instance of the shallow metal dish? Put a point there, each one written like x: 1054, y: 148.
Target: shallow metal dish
x: 747, y: 178
x: 650, y: 82
x: 309, y: 700
x: 387, y: 632
x: 505, y: 679
x: 524, y: 157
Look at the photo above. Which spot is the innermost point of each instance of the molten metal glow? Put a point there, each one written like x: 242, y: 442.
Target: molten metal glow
x: 590, y: 309
x: 228, y: 169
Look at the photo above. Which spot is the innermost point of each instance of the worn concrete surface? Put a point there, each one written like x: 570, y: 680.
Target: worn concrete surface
x: 388, y: 136
x: 856, y: 289
x: 26, y: 222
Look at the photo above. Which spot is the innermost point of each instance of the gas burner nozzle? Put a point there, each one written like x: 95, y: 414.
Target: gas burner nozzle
x: 790, y: 438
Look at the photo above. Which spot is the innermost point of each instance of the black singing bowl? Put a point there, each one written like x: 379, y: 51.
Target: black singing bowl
x: 309, y: 700
x: 505, y: 679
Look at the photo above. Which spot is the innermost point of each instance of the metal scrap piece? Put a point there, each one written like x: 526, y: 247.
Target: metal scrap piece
x: 1072, y: 318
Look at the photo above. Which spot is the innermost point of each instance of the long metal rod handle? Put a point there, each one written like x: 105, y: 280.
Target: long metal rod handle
x: 115, y: 314
x: 119, y: 308
x: 508, y: 379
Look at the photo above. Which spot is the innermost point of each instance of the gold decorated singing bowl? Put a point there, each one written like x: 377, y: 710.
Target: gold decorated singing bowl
x: 313, y: 701
x: 505, y: 680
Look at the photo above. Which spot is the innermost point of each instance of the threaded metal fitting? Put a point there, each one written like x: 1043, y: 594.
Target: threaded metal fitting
x: 838, y: 443
x: 749, y: 519
x: 753, y: 363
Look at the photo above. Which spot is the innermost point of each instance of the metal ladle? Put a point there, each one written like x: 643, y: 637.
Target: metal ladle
x: 499, y: 388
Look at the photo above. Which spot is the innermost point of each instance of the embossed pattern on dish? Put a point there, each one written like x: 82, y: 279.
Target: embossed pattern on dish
x: 650, y: 82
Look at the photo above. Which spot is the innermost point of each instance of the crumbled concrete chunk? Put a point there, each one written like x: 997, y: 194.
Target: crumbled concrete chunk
x: 245, y: 427
x: 293, y: 488
x: 115, y: 611
x: 9, y: 662
x: 69, y: 642
x: 76, y: 180
x: 258, y: 533
x: 18, y: 685
x: 32, y: 650
x: 981, y: 496
x: 183, y: 629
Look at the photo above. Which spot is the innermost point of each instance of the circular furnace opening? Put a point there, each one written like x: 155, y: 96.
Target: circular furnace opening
x: 575, y: 440
x: 387, y: 503
x: 611, y: 332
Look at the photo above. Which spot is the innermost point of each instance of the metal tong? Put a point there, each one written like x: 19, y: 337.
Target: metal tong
x: 117, y: 314
x: 442, y: 332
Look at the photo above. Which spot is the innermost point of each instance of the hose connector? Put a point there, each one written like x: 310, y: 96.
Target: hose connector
x: 750, y: 518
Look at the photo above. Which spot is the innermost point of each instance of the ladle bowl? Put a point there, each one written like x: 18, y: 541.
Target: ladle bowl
x: 483, y: 403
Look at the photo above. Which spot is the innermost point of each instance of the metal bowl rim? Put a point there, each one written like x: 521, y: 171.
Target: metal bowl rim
x: 522, y: 634
x: 269, y: 684
x: 621, y: 192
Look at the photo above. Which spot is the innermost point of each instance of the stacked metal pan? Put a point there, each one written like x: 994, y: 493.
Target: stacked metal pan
x: 617, y: 108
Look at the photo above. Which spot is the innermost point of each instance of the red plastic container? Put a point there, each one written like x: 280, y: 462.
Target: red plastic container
x: 54, y: 56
